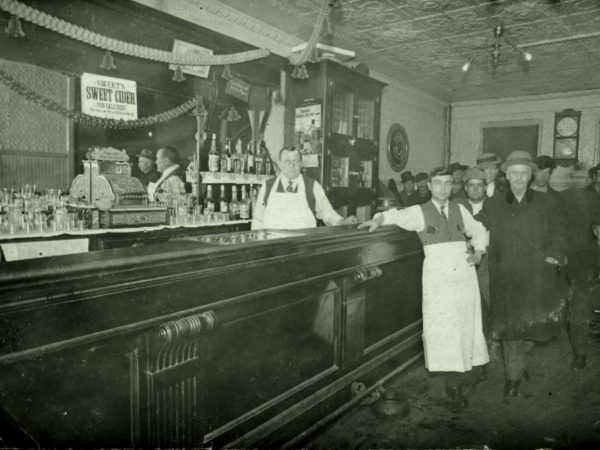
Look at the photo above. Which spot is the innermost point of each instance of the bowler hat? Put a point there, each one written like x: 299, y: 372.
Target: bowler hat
x: 486, y: 160
x: 545, y: 162
x: 145, y: 153
x: 474, y: 173
x: 518, y: 157
x: 421, y: 176
x: 406, y: 176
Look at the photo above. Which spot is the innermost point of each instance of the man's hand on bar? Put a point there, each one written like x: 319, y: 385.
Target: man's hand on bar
x: 372, y: 224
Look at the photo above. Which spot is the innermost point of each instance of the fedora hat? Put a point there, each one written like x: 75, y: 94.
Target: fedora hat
x: 145, y: 153
x: 474, y: 173
x: 486, y: 160
x: 406, y: 176
x: 456, y: 166
x: 421, y: 176
x: 518, y: 157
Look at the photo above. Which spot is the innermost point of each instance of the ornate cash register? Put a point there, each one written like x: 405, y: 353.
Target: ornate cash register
x: 107, y: 184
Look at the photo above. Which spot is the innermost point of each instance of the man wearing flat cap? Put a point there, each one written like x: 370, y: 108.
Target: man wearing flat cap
x: 489, y: 163
x: 422, y: 194
x: 475, y: 187
x: 147, y: 169
x: 408, y: 188
x: 527, y: 247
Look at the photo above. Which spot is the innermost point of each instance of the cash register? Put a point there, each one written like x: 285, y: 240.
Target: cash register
x: 107, y: 186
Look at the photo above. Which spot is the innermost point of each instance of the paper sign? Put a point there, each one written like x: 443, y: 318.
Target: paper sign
x: 182, y: 47
x: 308, y: 118
x: 107, y: 97
x: 238, y: 88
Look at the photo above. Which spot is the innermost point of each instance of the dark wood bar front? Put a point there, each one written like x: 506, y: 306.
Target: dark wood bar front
x: 204, y: 341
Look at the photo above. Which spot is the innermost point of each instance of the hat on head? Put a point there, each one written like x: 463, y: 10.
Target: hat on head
x: 145, y: 153
x: 518, y: 157
x: 456, y: 166
x: 486, y: 160
x: 421, y: 176
x: 545, y: 162
x: 474, y: 173
x: 406, y: 176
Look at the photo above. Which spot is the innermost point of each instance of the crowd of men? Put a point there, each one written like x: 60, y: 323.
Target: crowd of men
x: 534, y: 253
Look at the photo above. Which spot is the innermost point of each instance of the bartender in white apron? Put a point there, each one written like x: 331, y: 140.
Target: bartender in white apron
x: 453, y: 338
x: 293, y: 201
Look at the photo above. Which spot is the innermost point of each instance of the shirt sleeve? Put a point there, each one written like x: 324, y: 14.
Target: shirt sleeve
x: 410, y: 218
x: 474, y: 229
x: 259, y: 209
x: 324, y: 210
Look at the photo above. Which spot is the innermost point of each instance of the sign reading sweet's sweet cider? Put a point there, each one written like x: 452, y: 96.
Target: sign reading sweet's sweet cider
x: 108, y: 97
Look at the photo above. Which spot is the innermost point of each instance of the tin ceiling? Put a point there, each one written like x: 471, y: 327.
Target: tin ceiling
x: 424, y: 43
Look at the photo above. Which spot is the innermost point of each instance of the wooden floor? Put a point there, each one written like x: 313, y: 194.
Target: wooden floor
x: 559, y: 409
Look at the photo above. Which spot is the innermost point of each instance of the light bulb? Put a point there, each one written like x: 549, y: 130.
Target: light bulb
x: 528, y: 56
x: 466, y: 66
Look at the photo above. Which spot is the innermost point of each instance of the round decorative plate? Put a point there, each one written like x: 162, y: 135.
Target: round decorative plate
x: 397, y: 147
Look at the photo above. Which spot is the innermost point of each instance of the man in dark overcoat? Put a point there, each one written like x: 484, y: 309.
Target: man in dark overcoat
x: 528, y: 242
x: 582, y: 206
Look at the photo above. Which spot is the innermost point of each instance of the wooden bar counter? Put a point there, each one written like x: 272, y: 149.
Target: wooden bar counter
x: 234, y: 340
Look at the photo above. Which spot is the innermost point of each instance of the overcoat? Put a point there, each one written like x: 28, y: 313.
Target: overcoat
x: 527, y: 293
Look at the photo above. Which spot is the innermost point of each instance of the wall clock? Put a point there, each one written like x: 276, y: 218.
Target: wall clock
x: 566, y: 134
x: 397, y: 147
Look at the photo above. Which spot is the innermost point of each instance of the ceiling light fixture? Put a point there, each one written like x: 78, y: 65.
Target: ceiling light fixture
x: 495, y: 50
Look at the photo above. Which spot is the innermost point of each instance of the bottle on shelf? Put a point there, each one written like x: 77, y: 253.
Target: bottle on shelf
x: 234, y: 206
x: 267, y: 164
x: 237, y: 162
x: 229, y: 160
x: 253, y: 199
x: 259, y: 160
x: 223, y: 203
x: 224, y: 155
x: 209, y: 201
x: 244, y: 205
x: 250, y: 158
x: 213, y: 155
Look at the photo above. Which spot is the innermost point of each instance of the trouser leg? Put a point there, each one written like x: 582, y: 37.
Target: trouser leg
x: 514, y: 359
x: 579, y: 315
x: 483, y: 278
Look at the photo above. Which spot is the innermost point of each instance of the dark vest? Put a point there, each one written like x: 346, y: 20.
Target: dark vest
x: 437, y: 229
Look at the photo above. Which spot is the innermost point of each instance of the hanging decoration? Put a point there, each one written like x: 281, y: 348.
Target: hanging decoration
x: 108, y: 62
x: 309, y: 54
x: 226, y: 74
x: 126, y: 48
x: 178, y: 74
x: 92, y: 121
x: 14, y: 27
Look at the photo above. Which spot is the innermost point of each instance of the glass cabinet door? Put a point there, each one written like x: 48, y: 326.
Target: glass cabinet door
x: 342, y: 111
x: 366, y: 119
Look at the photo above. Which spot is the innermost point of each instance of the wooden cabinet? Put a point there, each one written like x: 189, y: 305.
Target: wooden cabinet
x: 334, y: 120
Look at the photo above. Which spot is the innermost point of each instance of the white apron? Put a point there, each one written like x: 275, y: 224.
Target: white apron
x: 452, y: 330
x: 288, y: 210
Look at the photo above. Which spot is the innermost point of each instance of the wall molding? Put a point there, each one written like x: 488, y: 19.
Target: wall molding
x: 527, y: 98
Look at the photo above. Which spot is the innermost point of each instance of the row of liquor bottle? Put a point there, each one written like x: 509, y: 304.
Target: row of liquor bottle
x: 237, y: 201
x: 255, y: 160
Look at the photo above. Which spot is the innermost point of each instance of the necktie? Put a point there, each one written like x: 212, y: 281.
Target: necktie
x: 442, y: 210
x: 290, y: 187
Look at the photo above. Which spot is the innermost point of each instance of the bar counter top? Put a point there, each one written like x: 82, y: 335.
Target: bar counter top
x: 244, y: 335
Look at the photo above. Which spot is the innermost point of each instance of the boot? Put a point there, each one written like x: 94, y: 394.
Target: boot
x: 511, y: 388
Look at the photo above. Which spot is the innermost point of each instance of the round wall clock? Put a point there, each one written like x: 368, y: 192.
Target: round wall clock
x: 566, y: 126
x: 397, y: 147
x: 566, y: 134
